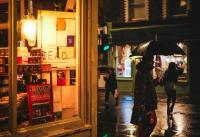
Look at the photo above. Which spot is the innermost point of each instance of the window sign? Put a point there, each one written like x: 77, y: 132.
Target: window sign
x: 123, y: 63
x: 136, y: 9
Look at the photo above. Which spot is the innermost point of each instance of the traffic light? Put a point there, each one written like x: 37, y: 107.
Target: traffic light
x: 105, y: 42
x: 106, y: 45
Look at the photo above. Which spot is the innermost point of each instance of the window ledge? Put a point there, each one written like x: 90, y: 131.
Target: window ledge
x: 69, y: 126
x: 5, y: 134
x: 68, y: 131
x: 124, y: 79
x: 138, y: 19
x: 179, y: 15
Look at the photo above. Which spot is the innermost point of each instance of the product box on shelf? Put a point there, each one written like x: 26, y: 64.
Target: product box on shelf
x: 22, y: 60
x: 22, y: 52
x: 46, y: 67
x: 3, y: 51
x: 34, y: 60
x: 2, y: 69
x: 1, y: 60
x: 40, y: 104
x: 36, y: 52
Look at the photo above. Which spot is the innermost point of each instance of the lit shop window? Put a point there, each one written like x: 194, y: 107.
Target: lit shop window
x: 5, y: 63
x: 179, y: 60
x: 179, y: 7
x: 136, y: 9
x: 123, y: 62
x: 47, y: 84
x: 162, y: 63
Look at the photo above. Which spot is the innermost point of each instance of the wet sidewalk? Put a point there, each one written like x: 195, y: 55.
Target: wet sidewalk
x: 114, y: 121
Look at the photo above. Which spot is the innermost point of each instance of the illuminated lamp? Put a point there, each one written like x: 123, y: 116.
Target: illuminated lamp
x: 29, y: 26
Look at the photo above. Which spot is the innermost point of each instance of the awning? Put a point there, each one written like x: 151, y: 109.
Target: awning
x: 169, y: 32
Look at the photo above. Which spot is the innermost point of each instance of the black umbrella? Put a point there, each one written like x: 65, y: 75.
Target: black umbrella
x: 157, y: 48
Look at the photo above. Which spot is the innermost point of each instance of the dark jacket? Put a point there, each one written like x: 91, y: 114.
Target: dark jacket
x: 111, y: 82
x: 144, y: 92
x: 172, y: 75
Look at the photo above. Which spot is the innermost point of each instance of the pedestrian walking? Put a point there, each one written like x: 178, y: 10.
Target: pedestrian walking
x: 111, y: 86
x: 145, y: 98
x: 169, y: 80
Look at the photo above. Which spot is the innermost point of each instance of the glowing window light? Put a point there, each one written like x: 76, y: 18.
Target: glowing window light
x: 29, y: 26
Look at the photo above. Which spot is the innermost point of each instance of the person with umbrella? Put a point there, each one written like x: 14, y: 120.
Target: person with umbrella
x: 157, y: 48
x: 170, y: 79
x: 145, y: 98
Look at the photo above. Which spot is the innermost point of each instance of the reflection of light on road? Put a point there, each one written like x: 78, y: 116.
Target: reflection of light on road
x: 128, y: 98
x: 126, y: 110
x: 106, y: 135
x: 180, y: 123
x: 132, y: 131
x: 128, y: 130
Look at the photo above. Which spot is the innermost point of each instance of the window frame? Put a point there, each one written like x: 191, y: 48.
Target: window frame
x: 127, y: 7
x: 167, y: 8
x: 117, y: 60
x: 83, y: 30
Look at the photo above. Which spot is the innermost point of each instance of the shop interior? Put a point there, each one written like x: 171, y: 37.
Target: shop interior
x: 47, y: 62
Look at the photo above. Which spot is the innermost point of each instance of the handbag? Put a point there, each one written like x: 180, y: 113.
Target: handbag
x: 150, y: 119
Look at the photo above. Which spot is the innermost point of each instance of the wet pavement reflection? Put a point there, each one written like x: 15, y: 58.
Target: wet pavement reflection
x: 114, y: 121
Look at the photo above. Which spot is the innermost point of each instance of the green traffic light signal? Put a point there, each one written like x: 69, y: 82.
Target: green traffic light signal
x: 104, y: 44
x: 106, y: 47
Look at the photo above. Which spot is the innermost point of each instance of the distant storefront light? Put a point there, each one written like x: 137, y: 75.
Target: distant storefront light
x: 180, y: 45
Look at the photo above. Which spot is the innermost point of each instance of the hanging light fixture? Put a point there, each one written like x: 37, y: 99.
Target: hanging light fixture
x: 29, y: 26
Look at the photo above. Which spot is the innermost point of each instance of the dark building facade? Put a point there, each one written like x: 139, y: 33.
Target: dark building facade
x: 164, y: 20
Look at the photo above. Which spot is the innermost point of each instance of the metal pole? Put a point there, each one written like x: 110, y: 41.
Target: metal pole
x: 12, y: 72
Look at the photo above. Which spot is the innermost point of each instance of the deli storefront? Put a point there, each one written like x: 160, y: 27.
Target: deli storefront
x: 48, y: 68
